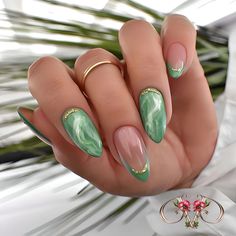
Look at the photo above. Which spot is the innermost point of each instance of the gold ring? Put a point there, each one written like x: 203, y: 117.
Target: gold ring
x: 92, y: 67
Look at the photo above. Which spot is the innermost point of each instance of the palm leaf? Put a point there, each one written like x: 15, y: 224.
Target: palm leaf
x: 79, y: 36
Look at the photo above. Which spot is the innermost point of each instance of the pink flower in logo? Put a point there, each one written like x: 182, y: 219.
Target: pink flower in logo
x: 199, y: 205
x: 184, y: 205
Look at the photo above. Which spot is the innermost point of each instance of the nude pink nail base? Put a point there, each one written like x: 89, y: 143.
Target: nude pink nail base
x: 132, y: 152
x: 176, y: 59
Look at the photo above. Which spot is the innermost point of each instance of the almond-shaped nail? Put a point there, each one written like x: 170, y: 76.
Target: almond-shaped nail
x: 82, y: 131
x: 22, y: 111
x: 132, y: 151
x: 153, y: 113
x: 176, y: 58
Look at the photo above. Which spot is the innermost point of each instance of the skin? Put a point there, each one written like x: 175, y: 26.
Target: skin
x: 191, y: 132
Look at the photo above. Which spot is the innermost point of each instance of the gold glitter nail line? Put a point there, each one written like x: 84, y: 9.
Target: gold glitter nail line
x: 178, y: 69
x: 150, y: 90
x: 67, y: 113
x: 140, y: 171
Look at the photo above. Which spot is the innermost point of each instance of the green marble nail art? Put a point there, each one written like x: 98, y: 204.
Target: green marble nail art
x: 32, y: 127
x: 153, y: 114
x: 82, y: 131
x: 175, y: 73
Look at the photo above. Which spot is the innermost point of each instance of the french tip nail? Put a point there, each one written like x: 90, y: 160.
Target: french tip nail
x: 31, y: 126
x: 175, y: 73
x: 142, y: 175
x: 132, y: 152
x: 176, y: 59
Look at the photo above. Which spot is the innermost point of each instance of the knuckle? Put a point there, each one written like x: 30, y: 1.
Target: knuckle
x: 42, y: 62
x: 134, y: 27
x: 95, y: 52
x: 135, y: 23
x: 41, y: 70
x: 180, y: 20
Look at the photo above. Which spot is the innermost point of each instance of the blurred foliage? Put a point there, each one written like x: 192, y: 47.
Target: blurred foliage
x: 211, y: 48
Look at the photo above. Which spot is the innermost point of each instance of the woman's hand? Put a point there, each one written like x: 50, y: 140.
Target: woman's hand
x: 145, y: 117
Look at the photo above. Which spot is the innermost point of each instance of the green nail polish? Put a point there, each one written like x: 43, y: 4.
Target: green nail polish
x: 175, y: 72
x: 140, y: 175
x: 82, y: 131
x: 153, y: 114
x: 32, y: 127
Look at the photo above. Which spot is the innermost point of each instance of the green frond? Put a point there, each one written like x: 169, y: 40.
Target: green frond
x: 75, y: 35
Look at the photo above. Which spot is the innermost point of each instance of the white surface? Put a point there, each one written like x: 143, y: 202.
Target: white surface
x: 225, y: 227
x: 219, y: 176
x: 23, y: 213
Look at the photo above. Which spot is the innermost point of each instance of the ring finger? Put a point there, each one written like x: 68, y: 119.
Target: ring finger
x: 99, y: 75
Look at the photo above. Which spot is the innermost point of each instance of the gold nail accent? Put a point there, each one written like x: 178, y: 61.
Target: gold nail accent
x: 140, y: 171
x: 65, y: 116
x: 149, y: 90
x: 179, y: 69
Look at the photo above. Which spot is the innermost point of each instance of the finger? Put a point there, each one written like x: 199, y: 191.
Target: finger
x: 191, y: 97
x: 193, y: 104
x: 66, y: 108
x: 142, y: 51
x: 26, y: 114
x: 69, y: 155
x: 115, y: 109
x: 178, y: 39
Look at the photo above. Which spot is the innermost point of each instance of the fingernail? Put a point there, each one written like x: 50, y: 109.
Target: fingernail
x: 132, y: 152
x: 42, y: 137
x: 176, y: 58
x: 153, y: 114
x: 82, y: 131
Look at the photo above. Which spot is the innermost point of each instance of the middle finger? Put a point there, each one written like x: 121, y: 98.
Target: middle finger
x: 148, y: 80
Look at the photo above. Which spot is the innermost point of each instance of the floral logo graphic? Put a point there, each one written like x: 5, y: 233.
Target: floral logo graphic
x: 196, y: 208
